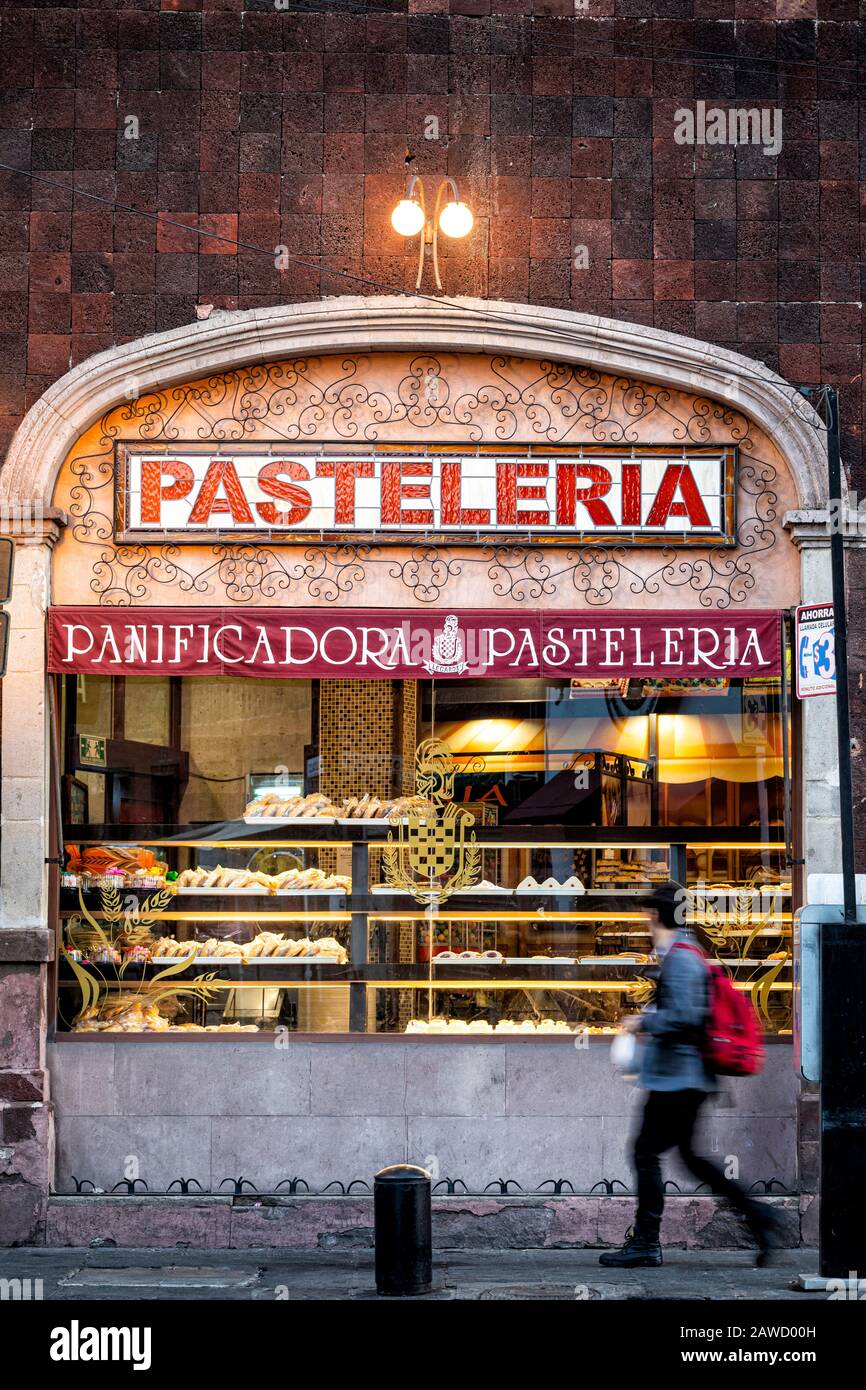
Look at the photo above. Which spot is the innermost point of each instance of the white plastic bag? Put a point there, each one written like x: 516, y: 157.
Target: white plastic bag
x: 623, y: 1054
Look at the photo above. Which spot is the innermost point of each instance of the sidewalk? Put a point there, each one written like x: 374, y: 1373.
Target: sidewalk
x: 261, y: 1275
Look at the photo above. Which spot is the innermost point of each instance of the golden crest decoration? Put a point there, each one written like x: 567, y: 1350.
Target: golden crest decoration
x: 433, y: 853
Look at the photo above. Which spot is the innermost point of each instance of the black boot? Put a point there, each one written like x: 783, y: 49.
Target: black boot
x: 639, y: 1252
x: 766, y: 1228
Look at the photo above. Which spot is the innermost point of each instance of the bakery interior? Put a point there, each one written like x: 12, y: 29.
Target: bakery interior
x: 221, y: 852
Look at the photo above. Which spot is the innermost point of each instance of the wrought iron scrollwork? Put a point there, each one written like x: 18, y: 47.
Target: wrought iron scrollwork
x: 541, y: 402
x: 293, y: 1185
x: 449, y: 1187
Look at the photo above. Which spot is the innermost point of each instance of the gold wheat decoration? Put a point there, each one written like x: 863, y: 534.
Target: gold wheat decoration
x: 123, y: 928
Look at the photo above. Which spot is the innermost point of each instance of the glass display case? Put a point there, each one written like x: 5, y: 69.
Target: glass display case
x: 233, y: 928
x: 224, y: 863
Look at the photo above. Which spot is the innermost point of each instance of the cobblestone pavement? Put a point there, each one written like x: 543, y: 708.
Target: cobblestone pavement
x: 563, y: 1275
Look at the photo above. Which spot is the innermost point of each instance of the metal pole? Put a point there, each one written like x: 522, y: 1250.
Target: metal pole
x: 786, y: 746
x: 830, y: 415
x: 842, y: 1213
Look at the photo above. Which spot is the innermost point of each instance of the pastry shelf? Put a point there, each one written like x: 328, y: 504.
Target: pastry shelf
x: 238, y: 834
x: 598, y: 972
x: 508, y: 905
x: 386, y: 933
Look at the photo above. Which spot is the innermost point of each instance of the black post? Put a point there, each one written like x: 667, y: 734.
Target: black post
x: 402, y: 1218
x: 842, y: 1216
x: 830, y: 413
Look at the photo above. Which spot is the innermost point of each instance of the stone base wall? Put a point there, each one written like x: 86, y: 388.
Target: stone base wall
x: 459, y: 1223
x: 337, y: 1111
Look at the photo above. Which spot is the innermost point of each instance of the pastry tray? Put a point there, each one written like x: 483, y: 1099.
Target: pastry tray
x: 282, y: 821
x: 258, y: 890
x: 612, y: 960
x: 256, y: 960
x: 309, y: 892
x: 552, y: 892
x: 493, y: 889
x: 508, y: 960
x: 462, y: 893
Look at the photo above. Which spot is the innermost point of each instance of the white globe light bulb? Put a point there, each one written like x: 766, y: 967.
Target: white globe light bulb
x: 407, y: 219
x: 456, y: 220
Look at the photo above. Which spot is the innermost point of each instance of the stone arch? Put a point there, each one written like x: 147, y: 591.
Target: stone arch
x: 356, y: 324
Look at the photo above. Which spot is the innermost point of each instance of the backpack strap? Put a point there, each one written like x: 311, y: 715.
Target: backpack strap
x: 692, y: 946
x: 709, y: 965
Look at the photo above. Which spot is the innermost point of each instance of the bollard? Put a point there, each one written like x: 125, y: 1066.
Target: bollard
x: 403, y: 1228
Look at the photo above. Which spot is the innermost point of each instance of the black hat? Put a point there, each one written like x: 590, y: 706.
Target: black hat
x: 669, y: 901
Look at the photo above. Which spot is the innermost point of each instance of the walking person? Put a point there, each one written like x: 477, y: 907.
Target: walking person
x: 675, y: 1074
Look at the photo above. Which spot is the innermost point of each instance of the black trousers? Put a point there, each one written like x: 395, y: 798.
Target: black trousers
x: 669, y: 1120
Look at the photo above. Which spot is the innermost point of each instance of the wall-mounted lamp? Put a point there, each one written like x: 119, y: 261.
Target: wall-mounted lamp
x: 409, y: 218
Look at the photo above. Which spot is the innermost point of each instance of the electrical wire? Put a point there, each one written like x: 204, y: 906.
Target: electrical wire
x: 685, y: 55
x: 705, y: 56
x: 701, y: 55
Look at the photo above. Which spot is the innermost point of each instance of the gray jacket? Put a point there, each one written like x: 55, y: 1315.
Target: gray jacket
x: 672, y: 1059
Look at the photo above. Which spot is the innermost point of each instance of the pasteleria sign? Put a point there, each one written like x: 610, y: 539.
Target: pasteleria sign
x: 407, y: 644
x: 656, y: 494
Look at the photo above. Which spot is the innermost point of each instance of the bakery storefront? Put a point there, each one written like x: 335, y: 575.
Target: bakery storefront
x: 382, y: 686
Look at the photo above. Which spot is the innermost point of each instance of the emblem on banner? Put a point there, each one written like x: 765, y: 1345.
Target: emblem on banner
x: 447, y: 657
x: 431, y: 855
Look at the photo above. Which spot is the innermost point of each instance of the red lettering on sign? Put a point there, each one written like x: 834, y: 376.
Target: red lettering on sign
x: 631, y: 494
x: 510, y: 492
x: 452, y: 512
x: 344, y: 472
x: 394, y: 490
x: 221, y: 473
x: 152, y: 492
x: 270, y: 482
x: 568, y: 494
x: 678, y: 476
x: 563, y: 492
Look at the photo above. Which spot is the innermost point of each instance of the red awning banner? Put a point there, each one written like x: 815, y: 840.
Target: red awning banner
x: 408, y: 644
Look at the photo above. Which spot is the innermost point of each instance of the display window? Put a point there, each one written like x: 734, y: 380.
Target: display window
x: 276, y: 583
x: 224, y: 860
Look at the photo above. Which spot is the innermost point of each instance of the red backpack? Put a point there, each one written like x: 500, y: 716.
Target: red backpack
x: 732, y: 1042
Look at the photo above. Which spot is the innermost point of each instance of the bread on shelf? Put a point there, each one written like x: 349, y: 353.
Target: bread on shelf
x: 265, y: 945
x: 246, y: 880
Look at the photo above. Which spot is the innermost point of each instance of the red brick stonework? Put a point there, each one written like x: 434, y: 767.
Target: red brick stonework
x: 26, y: 1156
